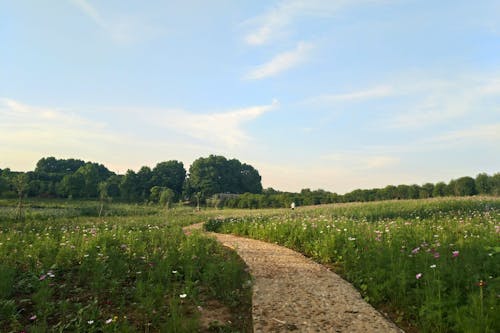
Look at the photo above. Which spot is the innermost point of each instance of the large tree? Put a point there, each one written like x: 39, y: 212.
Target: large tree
x: 216, y: 174
x: 170, y: 174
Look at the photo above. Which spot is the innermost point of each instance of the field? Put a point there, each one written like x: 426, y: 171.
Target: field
x: 432, y: 264
x: 64, y: 269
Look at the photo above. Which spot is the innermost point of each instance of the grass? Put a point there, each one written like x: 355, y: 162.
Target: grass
x: 433, y: 264
x: 131, y: 270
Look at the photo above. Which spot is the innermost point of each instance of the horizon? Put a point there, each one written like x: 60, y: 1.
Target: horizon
x: 322, y: 95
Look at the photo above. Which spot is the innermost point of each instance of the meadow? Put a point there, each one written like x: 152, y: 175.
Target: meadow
x: 63, y: 268
x: 433, y: 265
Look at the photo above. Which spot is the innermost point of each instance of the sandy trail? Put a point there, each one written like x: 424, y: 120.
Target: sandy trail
x: 293, y: 293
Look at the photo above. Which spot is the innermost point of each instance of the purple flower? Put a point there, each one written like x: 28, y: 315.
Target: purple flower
x: 42, y: 277
x: 436, y: 255
x: 455, y: 254
x: 415, y: 250
x: 418, y: 276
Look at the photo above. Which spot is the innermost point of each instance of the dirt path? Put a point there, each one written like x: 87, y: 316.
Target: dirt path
x: 293, y: 293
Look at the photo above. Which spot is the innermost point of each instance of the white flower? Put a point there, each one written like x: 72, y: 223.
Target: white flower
x: 109, y: 321
x: 433, y: 266
x: 174, y: 272
x: 182, y: 295
x: 90, y: 322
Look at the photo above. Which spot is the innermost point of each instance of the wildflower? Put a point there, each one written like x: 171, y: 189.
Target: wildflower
x: 90, y: 322
x: 433, y: 266
x: 418, y: 276
x: 481, y: 283
x: 108, y: 321
x: 455, y: 254
x: 42, y: 277
x: 436, y: 255
x: 33, y: 317
x: 174, y: 272
x: 415, y: 250
x: 182, y: 295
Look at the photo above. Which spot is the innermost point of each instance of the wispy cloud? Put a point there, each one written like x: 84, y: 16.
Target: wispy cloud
x: 224, y: 128
x: 122, y: 30
x: 440, y: 101
x: 272, y: 23
x: 281, y: 62
x: 360, y: 95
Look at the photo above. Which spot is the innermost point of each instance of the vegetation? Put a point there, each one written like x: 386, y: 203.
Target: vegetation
x: 433, y: 264
x: 65, y: 269
x: 214, y: 181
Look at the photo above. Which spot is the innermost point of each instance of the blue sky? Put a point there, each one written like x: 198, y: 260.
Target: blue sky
x: 338, y: 95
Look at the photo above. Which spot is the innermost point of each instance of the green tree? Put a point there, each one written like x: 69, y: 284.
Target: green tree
x: 483, y: 184
x: 169, y: 174
x: 465, y: 186
x: 166, y: 197
x: 439, y: 190
x: 216, y: 174
x: 20, y: 183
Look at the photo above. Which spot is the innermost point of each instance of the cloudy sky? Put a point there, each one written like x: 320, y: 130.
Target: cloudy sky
x: 337, y: 94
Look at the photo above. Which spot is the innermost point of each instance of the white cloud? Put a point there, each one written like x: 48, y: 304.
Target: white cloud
x: 269, y: 25
x: 220, y: 128
x: 281, y: 62
x: 479, y: 134
x: 122, y: 30
x: 375, y: 92
x: 440, y: 101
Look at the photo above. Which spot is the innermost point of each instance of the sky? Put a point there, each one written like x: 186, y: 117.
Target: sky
x: 334, y: 95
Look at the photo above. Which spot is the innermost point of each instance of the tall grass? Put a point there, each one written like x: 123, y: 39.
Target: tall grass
x: 113, y: 274
x: 434, y: 264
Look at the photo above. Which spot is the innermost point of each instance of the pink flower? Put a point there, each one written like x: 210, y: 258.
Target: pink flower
x: 42, y: 277
x: 415, y: 250
x: 33, y: 317
x: 455, y: 254
x: 418, y: 276
x: 436, y: 255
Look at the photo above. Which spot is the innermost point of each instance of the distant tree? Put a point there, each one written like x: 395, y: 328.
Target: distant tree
x: 51, y: 165
x: 72, y: 186
x: 465, y: 186
x: 495, y: 184
x: 216, y: 174
x: 166, y: 197
x: 104, y: 197
x: 483, y: 184
x: 144, y: 182
x: 20, y: 183
x: 169, y: 174
x: 426, y: 191
x: 439, y: 190
x: 129, y: 187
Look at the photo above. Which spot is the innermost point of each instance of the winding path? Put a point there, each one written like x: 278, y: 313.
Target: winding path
x: 293, y: 293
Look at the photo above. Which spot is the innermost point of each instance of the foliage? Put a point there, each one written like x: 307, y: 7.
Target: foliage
x: 216, y: 174
x: 113, y: 274
x: 435, y: 263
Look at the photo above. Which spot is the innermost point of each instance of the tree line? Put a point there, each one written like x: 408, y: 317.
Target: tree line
x: 169, y: 180
x: 213, y: 180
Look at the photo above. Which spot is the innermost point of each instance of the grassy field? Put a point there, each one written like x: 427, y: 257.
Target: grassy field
x: 132, y: 270
x: 432, y: 264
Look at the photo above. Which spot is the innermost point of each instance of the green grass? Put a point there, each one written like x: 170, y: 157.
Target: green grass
x: 421, y: 260
x: 131, y: 270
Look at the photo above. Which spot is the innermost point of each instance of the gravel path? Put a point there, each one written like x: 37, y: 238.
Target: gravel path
x: 293, y: 293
